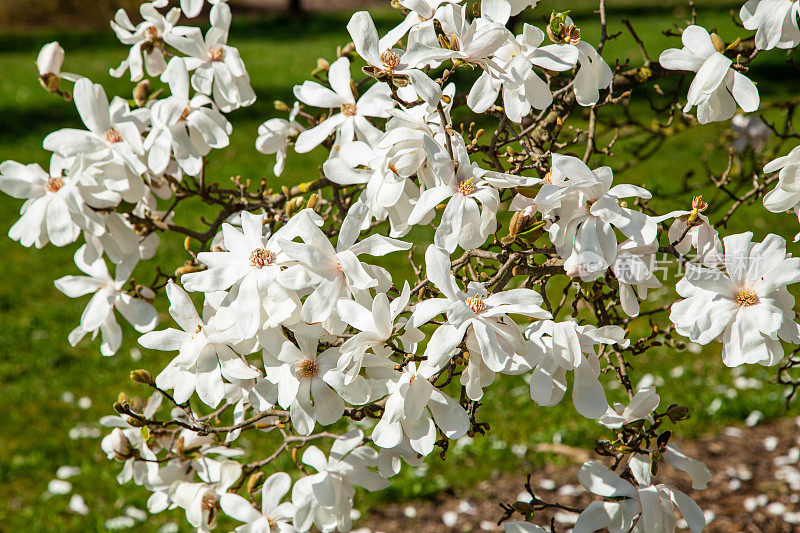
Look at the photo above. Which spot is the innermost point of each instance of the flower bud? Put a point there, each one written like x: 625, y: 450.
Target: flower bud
x: 348, y: 49
x: 141, y: 92
x: 145, y: 293
x: 135, y: 422
x: 655, y: 457
x: 185, y: 269
x: 253, y: 481
x: 142, y: 376
x: 121, y: 407
x: 560, y: 32
x: 677, y: 412
x: 400, y: 80
x: 280, y: 105
x: 718, y: 43
x: 117, y: 445
x: 50, y: 59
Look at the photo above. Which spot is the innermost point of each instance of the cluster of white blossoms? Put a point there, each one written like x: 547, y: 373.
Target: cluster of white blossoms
x: 297, y: 332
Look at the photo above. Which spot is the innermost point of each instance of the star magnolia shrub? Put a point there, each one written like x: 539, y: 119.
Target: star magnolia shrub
x: 530, y: 256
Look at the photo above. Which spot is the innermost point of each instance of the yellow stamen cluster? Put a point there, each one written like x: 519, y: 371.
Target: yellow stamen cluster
x: 261, y: 257
x: 217, y: 54
x: 113, y: 136
x: 476, y: 304
x: 186, y: 113
x: 151, y: 34
x: 54, y: 184
x: 589, y: 204
x: 390, y: 59
x: 307, y: 368
x: 466, y: 187
x: 348, y: 109
x: 746, y: 297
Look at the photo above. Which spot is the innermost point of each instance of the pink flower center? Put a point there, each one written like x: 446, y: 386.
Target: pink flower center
x: 261, y: 257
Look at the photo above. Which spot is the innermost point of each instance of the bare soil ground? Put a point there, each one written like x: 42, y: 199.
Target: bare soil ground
x: 756, y: 488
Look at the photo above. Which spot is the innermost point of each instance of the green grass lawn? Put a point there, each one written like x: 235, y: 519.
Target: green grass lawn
x: 37, y: 366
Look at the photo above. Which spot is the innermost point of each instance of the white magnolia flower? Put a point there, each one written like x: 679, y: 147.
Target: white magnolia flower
x: 390, y: 460
x: 273, y: 514
x: 351, y: 122
x: 642, y: 468
x: 308, y: 383
x: 650, y: 507
x: 375, y: 326
x: 502, y: 10
x: 463, y: 42
x: 558, y: 347
x: 411, y: 409
x: 248, y: 268
x: 219, y: 71
x: 747, y: 306
x: 54, y: 209
x: 204, y: 357
x: 273, y: 137
x: 108, y: 295
x: 192, y: 8
x: 183, y: 128
x: 641, y: 406
x: 325, y: 499
x: 584, y: 210
x: 462, y: 223
x: 49, y: 62
x: 334, y: 273
x: 495, y: 337
x: 112, y: 133
x: 786, y: 194
x: 717, y: 87
x: 634, y: 268
x: 387, y: 193
x: 125, y: 442
x: 387, y: 62
x: 421, y: 14
x: 692, y: 230
x: 594, y: 73
x: 775, y: 21
x: 404, y: 140
x: 522, y: 527
x: 145, y: 39
x: 201, y: 500
x: 522, y: 87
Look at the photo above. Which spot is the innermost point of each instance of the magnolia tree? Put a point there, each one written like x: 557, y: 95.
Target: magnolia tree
x: 536, y: 263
